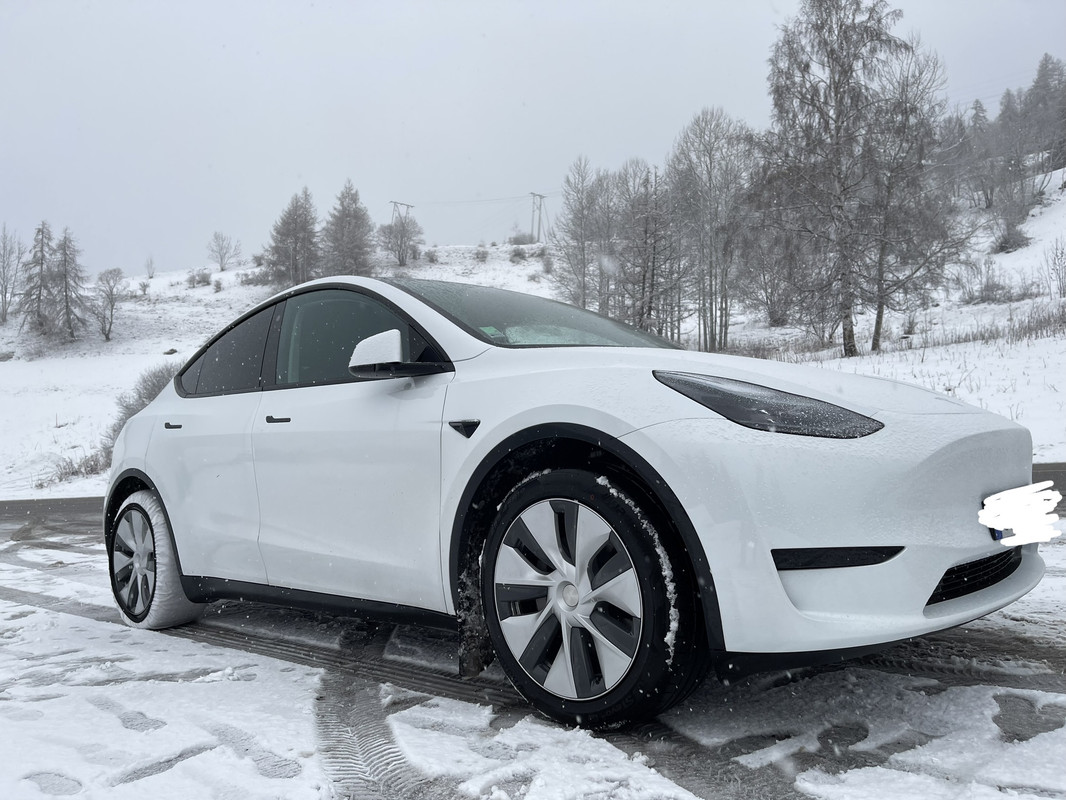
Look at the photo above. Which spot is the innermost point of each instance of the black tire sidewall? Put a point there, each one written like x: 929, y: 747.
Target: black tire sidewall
x: 635, y: 694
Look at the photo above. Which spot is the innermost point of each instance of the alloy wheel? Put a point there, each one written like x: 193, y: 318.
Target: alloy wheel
x: 133, y: 562
x: 568, y: 599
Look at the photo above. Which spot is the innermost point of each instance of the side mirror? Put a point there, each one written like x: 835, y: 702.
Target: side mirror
x: 375, y: 351
x: 380, y: 356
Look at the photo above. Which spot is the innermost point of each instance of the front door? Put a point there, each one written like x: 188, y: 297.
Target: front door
x: 348, y: 471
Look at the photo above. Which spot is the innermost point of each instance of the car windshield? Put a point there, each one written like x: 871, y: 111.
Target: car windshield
x: 513, y: 319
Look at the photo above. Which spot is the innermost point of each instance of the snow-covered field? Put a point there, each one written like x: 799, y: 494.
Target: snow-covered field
x: 56, y: 402
x: 90, y: 708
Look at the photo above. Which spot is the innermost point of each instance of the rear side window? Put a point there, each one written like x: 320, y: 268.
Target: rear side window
x: 233, y: 363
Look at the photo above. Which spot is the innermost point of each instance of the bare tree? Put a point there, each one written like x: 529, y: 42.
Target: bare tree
x: 110, y: 285
x: 823, y: 73
x: 12, y: 251
x: 908, y: 213
x: 648, y: 248
x: 709, y: 172
x: 399, y: 236
x: 223, y: 250
x: 574, y: 234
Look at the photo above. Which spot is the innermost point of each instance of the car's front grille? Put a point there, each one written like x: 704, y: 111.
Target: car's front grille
x: 976, y: 575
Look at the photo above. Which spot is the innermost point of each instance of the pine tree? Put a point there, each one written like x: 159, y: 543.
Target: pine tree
x: 68, y: 286
x: 347, y: 237
x: 292, y: 256
x: 34, y: 304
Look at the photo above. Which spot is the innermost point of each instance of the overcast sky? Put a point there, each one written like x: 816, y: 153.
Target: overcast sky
x: 145, y: 126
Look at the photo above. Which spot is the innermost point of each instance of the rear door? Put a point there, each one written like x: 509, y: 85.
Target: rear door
x: 201, y: 456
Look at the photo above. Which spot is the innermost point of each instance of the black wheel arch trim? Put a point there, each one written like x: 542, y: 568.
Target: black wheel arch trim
x: 112, y: 504
x: 663, y: 494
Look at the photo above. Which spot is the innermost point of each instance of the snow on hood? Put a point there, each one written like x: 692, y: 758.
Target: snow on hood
x: 863, y: 394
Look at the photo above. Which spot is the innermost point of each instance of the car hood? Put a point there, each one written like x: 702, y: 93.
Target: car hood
x: 860, y: 393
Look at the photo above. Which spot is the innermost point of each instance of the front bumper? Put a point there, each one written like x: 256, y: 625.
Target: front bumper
x: 917, y: 484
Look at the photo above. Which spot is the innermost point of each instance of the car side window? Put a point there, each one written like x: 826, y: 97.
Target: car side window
x: 233, y: 362
x: 320, y: 330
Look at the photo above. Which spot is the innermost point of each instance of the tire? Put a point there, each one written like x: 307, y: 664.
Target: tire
x: 145, y: 579
x: 582, y: 606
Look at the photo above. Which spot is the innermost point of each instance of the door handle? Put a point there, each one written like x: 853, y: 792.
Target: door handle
x: 272, y: 420
x: 171, y: 427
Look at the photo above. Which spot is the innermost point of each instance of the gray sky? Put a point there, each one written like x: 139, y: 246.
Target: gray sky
x: 144, y: 126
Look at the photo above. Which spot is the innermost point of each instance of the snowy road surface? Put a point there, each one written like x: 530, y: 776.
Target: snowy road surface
x: 255, y: 702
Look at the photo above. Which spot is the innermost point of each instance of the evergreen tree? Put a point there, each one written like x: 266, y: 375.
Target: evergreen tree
x: 292, y: 256
x: 68, y: 286
x: 34, y: 304
x: 347, y: 237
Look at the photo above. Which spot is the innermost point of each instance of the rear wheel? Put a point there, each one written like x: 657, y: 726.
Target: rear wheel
x: 583, y: 604
x: 145, y: 579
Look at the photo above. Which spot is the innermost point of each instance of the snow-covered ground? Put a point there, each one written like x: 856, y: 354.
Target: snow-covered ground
x: 90, y: 708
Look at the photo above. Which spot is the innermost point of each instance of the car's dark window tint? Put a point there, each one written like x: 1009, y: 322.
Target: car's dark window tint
x: 321, y: 329
x: 234, y: 361
x: 191, y: 375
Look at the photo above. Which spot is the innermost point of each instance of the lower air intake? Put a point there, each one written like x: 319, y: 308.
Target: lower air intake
x: 976, y: 575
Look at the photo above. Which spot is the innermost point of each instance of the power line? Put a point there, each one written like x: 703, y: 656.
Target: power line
x: 485, y: 200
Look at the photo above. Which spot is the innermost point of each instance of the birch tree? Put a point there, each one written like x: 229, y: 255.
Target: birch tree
x: 12, y: 251
x: 823, y: 70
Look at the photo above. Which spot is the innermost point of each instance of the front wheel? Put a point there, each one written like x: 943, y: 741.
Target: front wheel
x: 145, y: 578
x: 584, y: 604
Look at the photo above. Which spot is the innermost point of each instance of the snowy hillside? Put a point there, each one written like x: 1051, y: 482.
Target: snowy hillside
x: 56, y: 402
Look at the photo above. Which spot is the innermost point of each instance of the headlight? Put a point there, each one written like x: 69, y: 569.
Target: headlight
x: 766, y: 409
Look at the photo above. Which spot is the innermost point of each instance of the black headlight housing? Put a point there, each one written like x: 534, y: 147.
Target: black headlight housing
x: 766, y: 409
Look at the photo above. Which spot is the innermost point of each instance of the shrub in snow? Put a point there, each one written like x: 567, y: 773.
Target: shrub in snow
x: 1055, y: 266
x: 1011, y: 240
x: 198, y: 277
x: 150, y: 383
x: 481, y: 254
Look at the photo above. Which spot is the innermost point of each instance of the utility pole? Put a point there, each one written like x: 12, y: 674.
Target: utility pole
x: 536, y: 212
x: 396, y: 214
x: 400, y: 231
